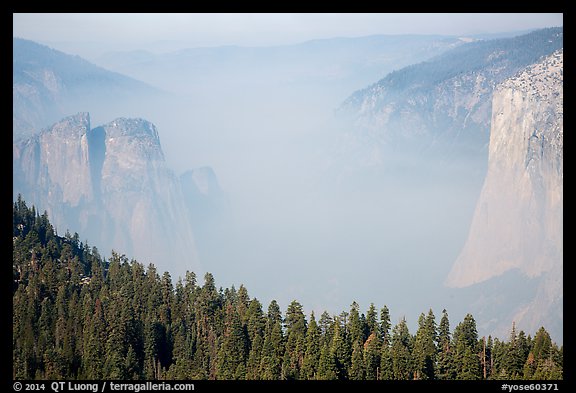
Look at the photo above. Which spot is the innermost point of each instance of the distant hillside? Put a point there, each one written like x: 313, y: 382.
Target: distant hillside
x: 49, y: 84
x: 339, y: 64
x: 443, y: 105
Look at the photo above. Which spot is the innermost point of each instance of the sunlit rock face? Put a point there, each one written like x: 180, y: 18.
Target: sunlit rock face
x: 484, y: 118
x: 518, y: 222
x: 144, y: 195
x: 441, y: 107
x: 112, y: 185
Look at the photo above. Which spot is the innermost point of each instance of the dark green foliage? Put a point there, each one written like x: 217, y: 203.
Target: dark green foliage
x: 295, y: 341
x: 312, y: 355
x: 372, y: 348
x: 401, y: 351
x: 424, y: 352
x: 445, y: 368
x: 467, y: 350
x: 341, y: 349
x: 79, y: 316
x: 273, y: 346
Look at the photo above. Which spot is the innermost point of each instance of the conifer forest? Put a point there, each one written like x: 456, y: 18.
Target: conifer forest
x: 79, y: 315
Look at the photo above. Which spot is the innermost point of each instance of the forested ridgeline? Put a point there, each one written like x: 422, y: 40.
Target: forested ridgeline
x: 77, y: 315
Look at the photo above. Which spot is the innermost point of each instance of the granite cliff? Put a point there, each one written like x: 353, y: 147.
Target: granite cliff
x: 440, y: 107
x: 518, y: 221
x: 110, y: 183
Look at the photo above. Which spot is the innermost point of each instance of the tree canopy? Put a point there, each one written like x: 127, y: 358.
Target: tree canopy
x: 77, y: 315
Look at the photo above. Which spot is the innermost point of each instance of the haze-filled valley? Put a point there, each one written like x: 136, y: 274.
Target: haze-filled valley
x: 328, y: 171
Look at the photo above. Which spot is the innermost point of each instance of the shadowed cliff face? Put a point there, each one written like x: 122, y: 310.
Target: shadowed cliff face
x: 112, y: 185
x: 518, y: 222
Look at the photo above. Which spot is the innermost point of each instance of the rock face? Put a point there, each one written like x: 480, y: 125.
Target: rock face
x: 485, y: 117
x: 518, y: 222
x: 441, y: 107
x: 112, y: 185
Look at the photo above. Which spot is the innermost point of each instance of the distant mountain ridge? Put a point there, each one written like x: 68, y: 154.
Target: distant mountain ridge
x: 49, y: 84
x: 443, y: 105
x: 340, y: 64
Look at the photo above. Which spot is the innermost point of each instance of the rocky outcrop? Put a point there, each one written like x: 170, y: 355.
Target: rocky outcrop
x: 52, y: 169
x: 441, y: 107
x: 518, y: 222
x: 41, y: 164
x: 111, y: 184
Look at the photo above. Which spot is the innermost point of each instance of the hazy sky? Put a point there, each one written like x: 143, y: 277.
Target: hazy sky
x: 261, y: 29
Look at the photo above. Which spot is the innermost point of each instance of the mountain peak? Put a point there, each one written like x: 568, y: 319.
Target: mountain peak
x: 132, y: 127
x: 49, y: 84
x: 75, y: 125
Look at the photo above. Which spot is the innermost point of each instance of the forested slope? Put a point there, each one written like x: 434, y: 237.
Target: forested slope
x: 78, y: 315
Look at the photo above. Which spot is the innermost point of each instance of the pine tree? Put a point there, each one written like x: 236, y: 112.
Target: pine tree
x: 63, y: 337
x: 242, y: 304
x: 401, y: 352
x: 254, y: 359
x: 326, y: 325
x: 94, y: 339
x: 341, y: 350
x: 273, y: 346
x: 295, y: 341
x: 499, y: 360
x: 542, y: 344
x: 311, y: 360
x: 386, y: 371
x: 529, y: 368
x: 470, y: 368
x: 208, y: 309
x: 327, y: 369
x: 115, y: 346
x: 517, y: 351
x: 371, y: 359
x: 384, y: 331
x: 233, y: 352
x: 357, y: 368
x: 466, y: 355
x: 424, y: 352
x: 550, y: 368
x: 355, y: 326
x: 255, y: 327
x: 371, y: 321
